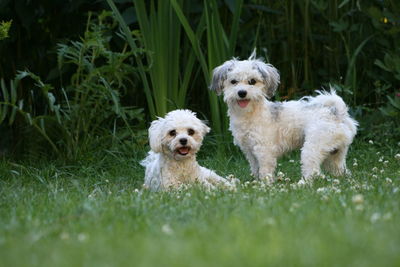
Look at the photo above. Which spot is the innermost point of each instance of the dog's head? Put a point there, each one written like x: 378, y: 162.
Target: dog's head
x: 179, y: 134
x: 243, y: 81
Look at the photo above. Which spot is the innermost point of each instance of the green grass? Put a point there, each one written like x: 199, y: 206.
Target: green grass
x: 92, y: 215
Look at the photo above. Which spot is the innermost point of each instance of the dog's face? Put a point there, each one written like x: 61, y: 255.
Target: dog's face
x: 246, y: 81
x: 178, y: 135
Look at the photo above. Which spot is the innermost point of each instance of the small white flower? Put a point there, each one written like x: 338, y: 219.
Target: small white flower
x: 166, y: 229
x: 388, y: 180
x: 397, y: 156
x: 378, y: 153
x: 395, y: 190
x: 82, y: 237
x: 385, y: 162
x: 375, y: 217
x: 287, y: 179
x: 357, y: 199
x: 336, y: 181
x: 188, y: 194
x: 355, y: 164
x: 380, y: 159
x: 371, y: 142
x: 374, y: 169
x: 374, y: 176
x: 322, y: 190
x: 382, y: 171
x: 302, y: 182
x: 292, y: 160
x: 136, y: 190
x: 107, y: 181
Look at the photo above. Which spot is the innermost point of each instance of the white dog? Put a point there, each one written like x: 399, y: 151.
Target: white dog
x: 174, y: 142
x: 265, y: 130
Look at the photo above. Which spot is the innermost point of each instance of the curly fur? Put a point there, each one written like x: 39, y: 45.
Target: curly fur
x: 265, y: 130
x: 171, y: 162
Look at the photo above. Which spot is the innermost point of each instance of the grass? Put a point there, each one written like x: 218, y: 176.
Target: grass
x: 92, y: 214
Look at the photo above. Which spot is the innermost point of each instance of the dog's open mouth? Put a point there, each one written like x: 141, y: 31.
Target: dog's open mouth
x: 184, y: 150
x: 243, y: 103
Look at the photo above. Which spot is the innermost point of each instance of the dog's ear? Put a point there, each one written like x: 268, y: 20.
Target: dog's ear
x: 219, y: 76
x: 270, y: 76
x: 156, y: 134
x: 204, y: 128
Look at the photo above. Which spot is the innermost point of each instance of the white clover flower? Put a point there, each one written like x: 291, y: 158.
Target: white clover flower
x: 322, y: 190
x: 374, y: 176
x: 386, y: 162
x: 382, y: 171
x: 380, y: 159
x: 291, y: 160
x: 357, y: 199
x: 355, y: 164
x: 166, y: 229
x: 371, y: 142
x: 82, y: 237
x: 378, y: 153
x: 136, y: 190
x: 302, y: 182
x: 337, y: 190
x: 388, y: 180
x: 107, y: 181
x: 287, y: 179
x: 397, y: 156
x: 374, y: 169
x: 375, y: 217
x: 336, y: 181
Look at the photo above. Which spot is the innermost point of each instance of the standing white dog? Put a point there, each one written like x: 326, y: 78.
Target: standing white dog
x: 265, y: 130
x: 174, y: 142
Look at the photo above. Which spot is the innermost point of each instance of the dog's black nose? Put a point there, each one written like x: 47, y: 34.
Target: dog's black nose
x: 183, y: 141
x: 242, y: 93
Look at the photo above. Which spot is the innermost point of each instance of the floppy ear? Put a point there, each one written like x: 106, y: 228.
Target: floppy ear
x: 270, y: 76
x: 219, y: 76
x: 204, y: 128
x: 156, y: 135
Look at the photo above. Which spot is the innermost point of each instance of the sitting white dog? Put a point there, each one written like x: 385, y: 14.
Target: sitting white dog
x: 174, y: 142
x: 265, y: 130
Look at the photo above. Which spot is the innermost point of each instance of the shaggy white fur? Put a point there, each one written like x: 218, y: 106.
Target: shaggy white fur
x: 265, y: 130
x: 174, y: 142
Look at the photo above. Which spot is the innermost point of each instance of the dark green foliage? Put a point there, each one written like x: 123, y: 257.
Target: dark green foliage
x: 166, y: 54
x: 88, y: 111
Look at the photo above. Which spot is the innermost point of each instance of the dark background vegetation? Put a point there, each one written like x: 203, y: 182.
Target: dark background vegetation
x: 73, y: 82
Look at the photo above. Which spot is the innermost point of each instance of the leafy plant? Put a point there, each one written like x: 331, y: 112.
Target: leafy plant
x: 73, y: 118
x: 220, y: 47
x: 4, y: 28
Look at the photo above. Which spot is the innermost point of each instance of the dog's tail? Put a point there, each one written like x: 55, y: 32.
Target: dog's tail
x: 337, y: 106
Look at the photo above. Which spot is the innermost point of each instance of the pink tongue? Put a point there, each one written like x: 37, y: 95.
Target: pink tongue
x: 183, y: 150
x: 243, y: 103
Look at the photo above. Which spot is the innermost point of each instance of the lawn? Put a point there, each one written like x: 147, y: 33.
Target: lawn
x: 95, y: 214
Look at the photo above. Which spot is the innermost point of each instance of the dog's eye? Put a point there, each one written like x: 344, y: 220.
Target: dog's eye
x: 234, y: 82
x: 190, y: 132
x: 252, y: 82
x: 172, y: 133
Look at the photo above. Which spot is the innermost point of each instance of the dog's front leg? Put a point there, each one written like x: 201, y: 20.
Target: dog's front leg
x: 254, y: 167
x: 267, y: 164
